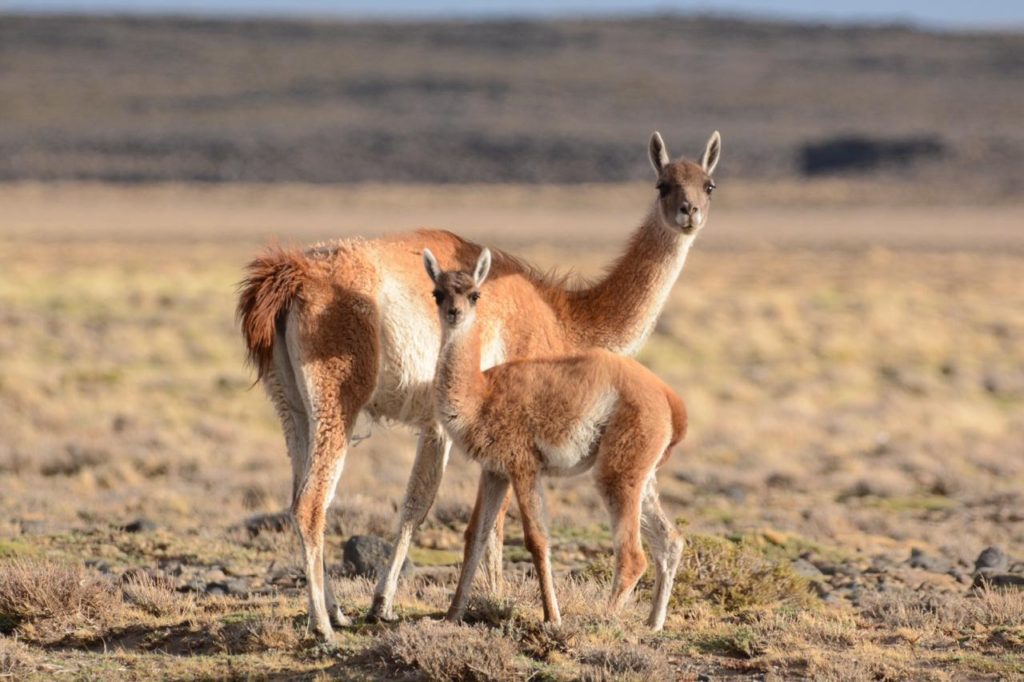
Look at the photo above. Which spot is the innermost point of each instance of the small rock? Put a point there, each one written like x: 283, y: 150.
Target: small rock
x: 271, y: 523
x: 984, y: 578
x: 368, y: 555
x: 120, y: 423
x: 734, y: 492
x: 215, y: 575
x: 991, y: 559
x: 194, y: 585
x: 33, y: 527
x: 960, y: 576
x: 139, y: 525
x: 135, y: 573
x: 287, y: 578
x: 805, y: 568
x: 926, y: 562
x: 217, y: 589
x: 238, y: 587
x: 98, y: 564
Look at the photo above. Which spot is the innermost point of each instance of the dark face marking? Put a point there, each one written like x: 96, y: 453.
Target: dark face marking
x: 456, y: 294
x: 684, y: 195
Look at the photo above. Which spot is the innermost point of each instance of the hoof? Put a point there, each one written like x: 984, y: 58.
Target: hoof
x: 324, y: 649
x: 379, y: 613
x: 339, y: 619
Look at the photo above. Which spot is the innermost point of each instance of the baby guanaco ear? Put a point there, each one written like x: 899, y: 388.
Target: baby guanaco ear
x: 711, y: 153
x: 657, y: 151
x: 483, y: 266
x: 430, y: 263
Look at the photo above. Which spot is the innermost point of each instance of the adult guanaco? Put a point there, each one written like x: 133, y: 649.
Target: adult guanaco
x: 556, y: 416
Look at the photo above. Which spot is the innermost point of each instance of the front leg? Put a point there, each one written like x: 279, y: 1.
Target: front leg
x: 431, y: 459
x: 493, y: 550
x: 531, y: 512
x: 489, y: 500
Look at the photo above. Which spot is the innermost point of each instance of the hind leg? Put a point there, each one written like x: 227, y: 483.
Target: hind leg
x: 666, y: 548
x: 283, y: 387
x: 624, y: 463
x: 630, y: 562
x: 309, y: 511
x: 334, y: 388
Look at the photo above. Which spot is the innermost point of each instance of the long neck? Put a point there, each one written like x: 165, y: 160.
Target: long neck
x: 459, y: 383
x: 619, y: 312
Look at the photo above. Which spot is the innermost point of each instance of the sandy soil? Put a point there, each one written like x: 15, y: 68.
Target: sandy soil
x: 855, y: 377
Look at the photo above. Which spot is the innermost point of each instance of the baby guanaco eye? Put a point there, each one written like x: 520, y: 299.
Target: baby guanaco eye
x: 710, y: 187
x: 474, y: 297
x: 438, y: 297
x: 662, y: 188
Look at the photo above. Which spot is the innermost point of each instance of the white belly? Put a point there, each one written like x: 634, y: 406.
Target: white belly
x: 575, y: 451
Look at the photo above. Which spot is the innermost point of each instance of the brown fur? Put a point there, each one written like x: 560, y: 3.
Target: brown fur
x: 272, y: 285
x: 526, y: 419
x: 349, y: 326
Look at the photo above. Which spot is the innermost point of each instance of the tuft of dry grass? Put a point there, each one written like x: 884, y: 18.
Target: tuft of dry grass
x: 15, y: 658
x: 157, y: 596
x: 736, y: 577
x: 60, y: 594
x: 440, y: 650
x: 273, y: 633
x: 624, y: 662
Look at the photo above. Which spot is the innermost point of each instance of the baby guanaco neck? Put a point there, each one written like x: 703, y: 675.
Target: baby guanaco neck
x: 459, y: 382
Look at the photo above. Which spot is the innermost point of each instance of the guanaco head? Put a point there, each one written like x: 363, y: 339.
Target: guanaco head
x: 456, y: 292
x: 684, y: 187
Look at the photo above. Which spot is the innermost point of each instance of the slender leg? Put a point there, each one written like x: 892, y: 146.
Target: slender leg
x: 309, y: 511
x: 623, y: 499
x: 531, y: 509
x: 284, y: 393
x: 666, y: 547
x: 431, y: 459
x: 493, y: 551
x: 490, y: 497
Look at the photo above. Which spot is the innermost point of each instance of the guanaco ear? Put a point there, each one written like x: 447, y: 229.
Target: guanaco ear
x: 658, y: 153
x: 483, y: 266
x: 711, y: 153
x: 430, y: 263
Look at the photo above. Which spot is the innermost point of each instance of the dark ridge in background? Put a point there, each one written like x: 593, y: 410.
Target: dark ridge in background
x: 150, y: 99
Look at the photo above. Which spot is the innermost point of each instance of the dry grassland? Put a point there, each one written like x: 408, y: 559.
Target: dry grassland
x: 855, y: 377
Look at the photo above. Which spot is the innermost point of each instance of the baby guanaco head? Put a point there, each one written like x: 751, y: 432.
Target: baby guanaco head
x: 456, y: 291
x: 684, y: 187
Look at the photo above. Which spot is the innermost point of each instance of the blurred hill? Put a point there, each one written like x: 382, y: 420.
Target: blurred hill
x: 136, y: 100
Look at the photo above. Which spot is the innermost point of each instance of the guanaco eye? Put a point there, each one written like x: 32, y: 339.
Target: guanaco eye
x: 662, y: 188
x: 710, y: 187
x: 438, y: 297
x: 474, y: 297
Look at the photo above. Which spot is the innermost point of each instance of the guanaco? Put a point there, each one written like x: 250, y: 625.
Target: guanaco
x: 559, y: 416
x: 347, y: 327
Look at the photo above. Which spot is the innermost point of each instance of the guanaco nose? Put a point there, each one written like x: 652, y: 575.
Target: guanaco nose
x: 687, y: 208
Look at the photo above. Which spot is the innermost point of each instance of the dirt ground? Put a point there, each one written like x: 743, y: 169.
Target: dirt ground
x: 854, y: 374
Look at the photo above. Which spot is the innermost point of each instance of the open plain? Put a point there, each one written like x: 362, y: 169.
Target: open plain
x: 854, y: 375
